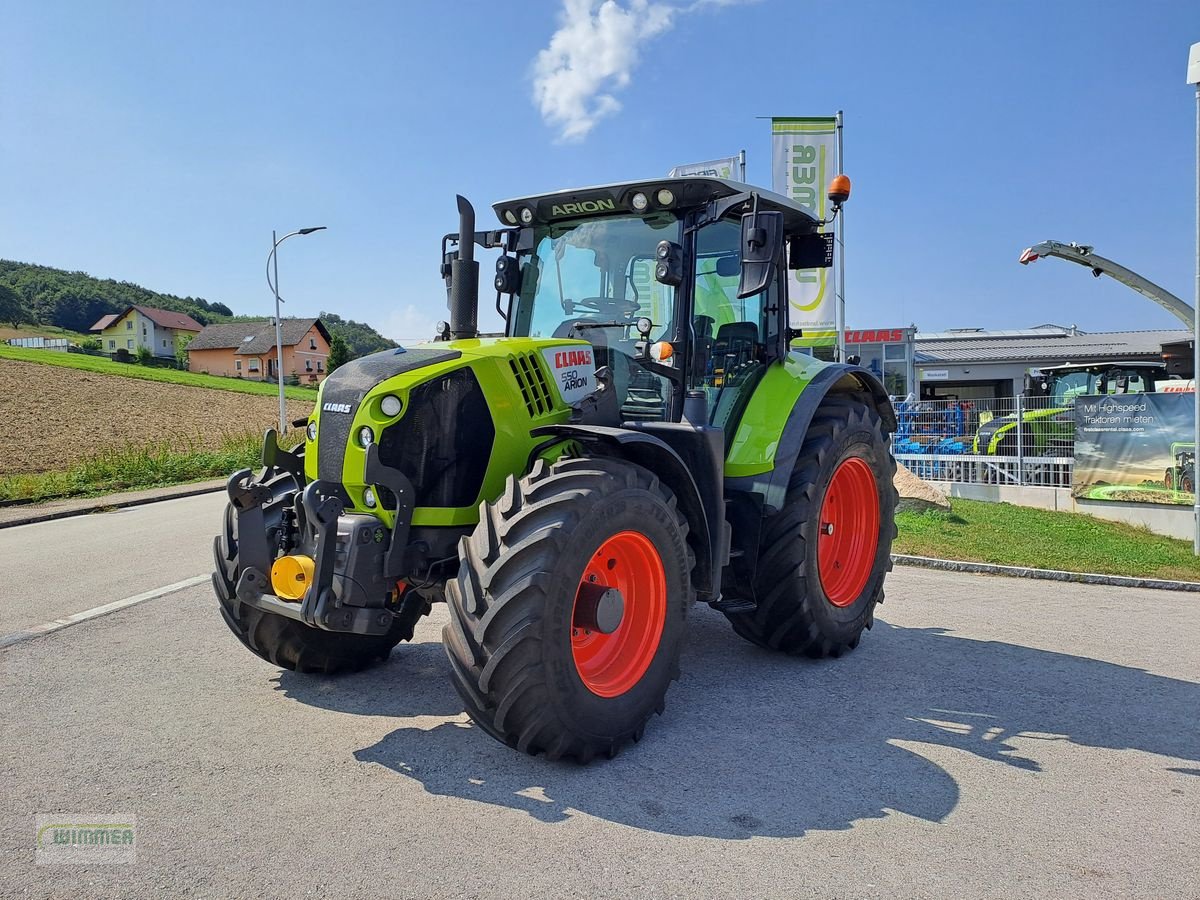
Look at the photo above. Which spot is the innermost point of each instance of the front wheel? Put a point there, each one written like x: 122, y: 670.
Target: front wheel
x: 823, y: 557
x: 567, y: 615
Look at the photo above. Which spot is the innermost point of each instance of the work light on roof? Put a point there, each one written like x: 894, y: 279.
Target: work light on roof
x: 640, y: 201
x: 526, y: 215
x: 510, y: 217
x: 665, y: 197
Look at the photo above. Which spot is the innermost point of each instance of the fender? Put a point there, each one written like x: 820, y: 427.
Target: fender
x: 836, y: 377
x: 653, y: 453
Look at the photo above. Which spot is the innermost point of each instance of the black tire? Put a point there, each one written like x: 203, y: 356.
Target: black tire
x: 512, y: 606
x: 794, y: 613
x: 285, y: 642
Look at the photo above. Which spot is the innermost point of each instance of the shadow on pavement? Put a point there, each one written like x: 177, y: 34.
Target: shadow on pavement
x: 753, y: 743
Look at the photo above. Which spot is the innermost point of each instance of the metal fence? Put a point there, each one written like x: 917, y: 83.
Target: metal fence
x: 39, y: 343
x: 1007, y: 440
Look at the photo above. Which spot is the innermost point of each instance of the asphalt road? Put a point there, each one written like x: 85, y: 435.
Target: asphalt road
x: 990, y: 737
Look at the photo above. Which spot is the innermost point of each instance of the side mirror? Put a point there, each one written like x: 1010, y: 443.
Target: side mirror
x: 762, y: 242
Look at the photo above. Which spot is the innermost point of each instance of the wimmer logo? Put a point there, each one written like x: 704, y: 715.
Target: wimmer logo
x: 90, y: 839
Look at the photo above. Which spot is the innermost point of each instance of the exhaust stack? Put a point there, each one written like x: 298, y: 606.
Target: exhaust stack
x: 464, y: 277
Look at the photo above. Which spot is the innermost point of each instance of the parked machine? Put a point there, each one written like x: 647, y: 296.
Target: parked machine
x: 640, y: 439
x: 1182, y: 475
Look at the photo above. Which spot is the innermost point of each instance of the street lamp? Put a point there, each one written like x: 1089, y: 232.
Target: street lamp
x: 273, y: 258
x: 1193, y: 77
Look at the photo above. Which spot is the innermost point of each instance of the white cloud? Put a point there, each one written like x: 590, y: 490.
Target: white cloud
x: 590, y: 57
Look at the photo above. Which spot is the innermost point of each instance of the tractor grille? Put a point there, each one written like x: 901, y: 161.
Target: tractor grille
x: 444, y: 441
x: 531, y: 381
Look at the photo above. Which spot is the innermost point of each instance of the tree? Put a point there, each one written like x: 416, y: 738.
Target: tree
x: 181, y: 345
x: 339, y: 353
x: 12, y: 310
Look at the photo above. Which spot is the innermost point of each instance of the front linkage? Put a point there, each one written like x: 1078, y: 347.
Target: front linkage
x: 341, y: 572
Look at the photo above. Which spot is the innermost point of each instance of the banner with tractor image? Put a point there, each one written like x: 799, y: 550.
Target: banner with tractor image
x: 1135, y: 448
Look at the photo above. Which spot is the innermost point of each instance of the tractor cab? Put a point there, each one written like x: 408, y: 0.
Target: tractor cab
x: 1063, y: 384
x: 679, y: 285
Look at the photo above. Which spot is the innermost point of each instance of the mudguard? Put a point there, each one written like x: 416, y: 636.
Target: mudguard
x: 652, y: 452
x: 777, y: 435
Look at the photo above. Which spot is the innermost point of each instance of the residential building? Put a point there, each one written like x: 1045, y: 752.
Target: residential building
x: 159, y: 330
x: 247, y: 350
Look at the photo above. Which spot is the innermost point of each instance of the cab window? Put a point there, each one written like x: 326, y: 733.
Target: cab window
x: 731, y: 335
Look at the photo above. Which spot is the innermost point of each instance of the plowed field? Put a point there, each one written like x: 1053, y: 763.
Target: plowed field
x: 51, y: 417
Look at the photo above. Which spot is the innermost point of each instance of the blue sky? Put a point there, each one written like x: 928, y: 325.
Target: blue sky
x: 160, y: 143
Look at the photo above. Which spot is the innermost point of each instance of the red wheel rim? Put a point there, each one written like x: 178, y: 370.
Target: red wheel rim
x: 849, y: 531
x: 611, y: 664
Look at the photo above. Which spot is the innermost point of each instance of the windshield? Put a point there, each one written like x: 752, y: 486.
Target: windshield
x: 592, y: 280
x: 1066, y: 387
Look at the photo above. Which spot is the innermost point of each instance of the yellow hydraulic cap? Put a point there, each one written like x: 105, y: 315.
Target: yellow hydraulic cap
x: 291, y: 576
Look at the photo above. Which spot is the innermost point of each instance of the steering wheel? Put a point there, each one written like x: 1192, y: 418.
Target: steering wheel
x: 605, y: 305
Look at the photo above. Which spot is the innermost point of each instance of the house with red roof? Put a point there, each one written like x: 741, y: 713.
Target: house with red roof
x: 160, y: 330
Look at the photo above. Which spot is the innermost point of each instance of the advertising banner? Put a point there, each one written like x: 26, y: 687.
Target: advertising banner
x: 803, y: 159
x: 1136, y: 448
x: 713, y: 168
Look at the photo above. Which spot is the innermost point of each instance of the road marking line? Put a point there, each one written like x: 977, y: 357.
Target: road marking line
x: 26, y: 634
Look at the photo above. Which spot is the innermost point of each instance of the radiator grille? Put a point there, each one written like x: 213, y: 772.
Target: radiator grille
x: 531, y: 381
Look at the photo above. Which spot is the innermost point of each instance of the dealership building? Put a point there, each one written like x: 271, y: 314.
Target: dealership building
x: 976, y: 364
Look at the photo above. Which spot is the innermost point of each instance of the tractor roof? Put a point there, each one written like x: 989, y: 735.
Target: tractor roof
x: 1092, y: 367
x: 618, y: 198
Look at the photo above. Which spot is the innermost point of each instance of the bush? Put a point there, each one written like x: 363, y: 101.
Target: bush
x: 145, y: 355
x: 90, y: 344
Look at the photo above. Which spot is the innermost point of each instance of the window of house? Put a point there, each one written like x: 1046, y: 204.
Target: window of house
x: 112, y: 345
x: 239, y: 365
x: 129, y: 324
x: 129, y: 343
x: 164, y: 342
x: 312, y: 343
x: 254, y: 365
x: 308, y: 365
x: 320, y: 366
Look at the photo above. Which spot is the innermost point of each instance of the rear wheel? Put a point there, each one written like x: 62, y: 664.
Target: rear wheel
x: 285, y: 642
x: 823, y: 557
x: 567, y: 615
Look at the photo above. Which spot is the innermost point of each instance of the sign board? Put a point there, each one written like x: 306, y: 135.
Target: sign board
x: 713, y: 168
x: 803, y: 160
x: 1135, y: 448
x: 935, y: 374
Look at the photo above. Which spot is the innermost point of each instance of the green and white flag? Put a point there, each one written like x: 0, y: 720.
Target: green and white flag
x: 713, y: 168
x: 803, y: 159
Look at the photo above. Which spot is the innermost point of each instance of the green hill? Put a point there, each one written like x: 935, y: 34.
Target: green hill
x: 75, y: 301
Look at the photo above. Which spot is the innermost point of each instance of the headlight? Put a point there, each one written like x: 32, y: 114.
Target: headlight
x: 390, y: 405
x: 311, y: 431
x: 366, y: 436
x: 369, y: 498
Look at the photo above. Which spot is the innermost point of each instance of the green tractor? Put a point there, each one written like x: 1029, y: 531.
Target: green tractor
x: 640, y: 439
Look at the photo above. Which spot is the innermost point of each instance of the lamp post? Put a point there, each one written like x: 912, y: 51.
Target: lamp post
x: 273, y: 260
x: 1193, y: 77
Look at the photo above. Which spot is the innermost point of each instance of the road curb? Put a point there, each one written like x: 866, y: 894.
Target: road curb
x: 90, y: 505
x: 977, y: 568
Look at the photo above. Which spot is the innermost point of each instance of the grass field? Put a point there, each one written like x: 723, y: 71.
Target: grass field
x: 132, y: 467
x: 103, y: 366
x: 977, y: 531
